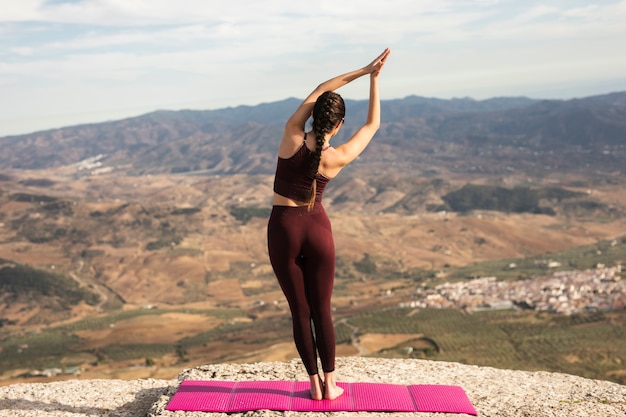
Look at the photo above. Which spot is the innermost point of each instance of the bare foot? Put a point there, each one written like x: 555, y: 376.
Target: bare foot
x: 317, y: 388
x: 331, y: 390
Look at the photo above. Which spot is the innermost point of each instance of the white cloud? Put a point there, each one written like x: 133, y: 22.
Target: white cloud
x: 137, y: 54
x: 22, y: 10
x: 586, y: 11
x: 537, y: 12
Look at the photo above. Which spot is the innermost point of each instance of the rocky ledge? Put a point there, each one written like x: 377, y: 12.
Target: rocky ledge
x: 494, y: 392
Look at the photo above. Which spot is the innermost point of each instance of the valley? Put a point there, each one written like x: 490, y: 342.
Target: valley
x: 178, y: 270
x: 136, y: 248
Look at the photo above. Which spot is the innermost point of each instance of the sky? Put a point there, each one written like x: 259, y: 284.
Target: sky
x: 69, y: 62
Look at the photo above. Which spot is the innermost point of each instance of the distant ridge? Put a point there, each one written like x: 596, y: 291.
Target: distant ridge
x: 502, y: 133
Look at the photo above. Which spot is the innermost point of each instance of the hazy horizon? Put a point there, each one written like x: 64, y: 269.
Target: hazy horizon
x: 97, y: 121
x: 70, y: 62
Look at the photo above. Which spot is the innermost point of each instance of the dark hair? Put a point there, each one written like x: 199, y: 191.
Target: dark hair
x: 328, y: 111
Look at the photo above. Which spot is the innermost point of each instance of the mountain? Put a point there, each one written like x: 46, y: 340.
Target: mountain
x: 418, y: 135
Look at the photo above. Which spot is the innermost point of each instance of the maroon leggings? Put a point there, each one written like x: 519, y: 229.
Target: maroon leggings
x: 302, y: 253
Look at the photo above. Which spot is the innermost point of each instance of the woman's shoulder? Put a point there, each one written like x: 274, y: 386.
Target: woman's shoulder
x: 290, y: 144
x: 329, y: 167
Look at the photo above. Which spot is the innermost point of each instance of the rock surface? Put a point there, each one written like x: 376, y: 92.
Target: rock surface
x: 494, y: 392
x: 82, y: 398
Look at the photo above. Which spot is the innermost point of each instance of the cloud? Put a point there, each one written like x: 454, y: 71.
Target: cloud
x: 586, y: 11
x: 161, y: 53
x: 537, y: 12
x: 23, y: 10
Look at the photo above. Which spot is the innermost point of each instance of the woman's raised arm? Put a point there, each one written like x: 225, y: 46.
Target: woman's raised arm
x: 347, y: 152
x: 294, y: 128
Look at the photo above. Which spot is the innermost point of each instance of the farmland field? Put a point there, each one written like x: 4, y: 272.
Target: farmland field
x: 591, y: 345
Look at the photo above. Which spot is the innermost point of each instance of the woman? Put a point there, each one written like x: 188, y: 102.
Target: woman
x: 300, y: 240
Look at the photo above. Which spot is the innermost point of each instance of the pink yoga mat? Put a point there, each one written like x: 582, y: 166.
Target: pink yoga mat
x: 232, y: 397
x: 302, y: 401
x: 434, y: 398
x: 261, y: 395
x: 381, y: 397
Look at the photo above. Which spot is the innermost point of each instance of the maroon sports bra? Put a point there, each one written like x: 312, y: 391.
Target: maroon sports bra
x: 294, y: 176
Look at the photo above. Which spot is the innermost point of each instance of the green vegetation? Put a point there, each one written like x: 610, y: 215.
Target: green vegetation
x: 186, y: 251
x: 515, y: 200
x: 42, y: 232
x: 226, y: 331
x: 186, y: 211
x: 50, y: 347
x: 343, y: 333
x: 133, y: 351
x: 38, y: 182
x: 557, y: 194
x: 588, y: 209
x: 366, y: 265
x: 4, y: 322
x: 486, y: 197
x: 164, y: 242
x: 36, y: 350
x: 91, y: 253
x: 245, y: 214
x: 96, y: 323
x: 586, y: 257
x: 590, y: 345
x: 20, y: 280
x: 31, y: 198
x: 527, y: 200
x: 242, y: 270
x: 58, y: 207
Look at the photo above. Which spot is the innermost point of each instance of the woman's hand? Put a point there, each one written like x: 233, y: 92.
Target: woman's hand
x: 376, y: 65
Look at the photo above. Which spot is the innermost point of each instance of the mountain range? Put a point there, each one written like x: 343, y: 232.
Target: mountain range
x: 418, y: 136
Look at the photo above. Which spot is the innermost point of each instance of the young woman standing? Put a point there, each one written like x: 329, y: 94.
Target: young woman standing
x: 300, y: 241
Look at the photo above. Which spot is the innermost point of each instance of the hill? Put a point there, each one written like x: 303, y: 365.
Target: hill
x: 23, y: 285
x: 418, y: 135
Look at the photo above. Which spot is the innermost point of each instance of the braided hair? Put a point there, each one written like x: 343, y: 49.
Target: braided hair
x: 328, y: 111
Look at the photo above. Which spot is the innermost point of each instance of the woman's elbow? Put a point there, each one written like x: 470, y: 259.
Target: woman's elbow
x: 373, y: 125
